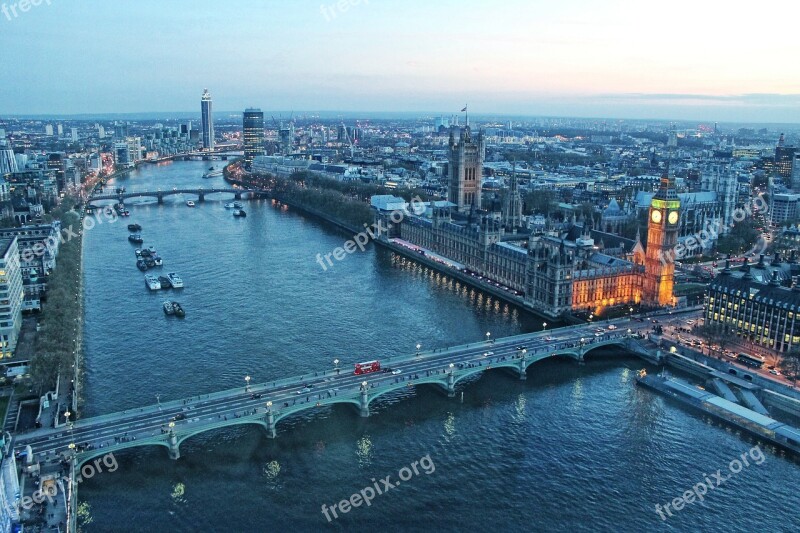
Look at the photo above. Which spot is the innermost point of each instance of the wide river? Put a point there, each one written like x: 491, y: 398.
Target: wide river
x: 573, y: 448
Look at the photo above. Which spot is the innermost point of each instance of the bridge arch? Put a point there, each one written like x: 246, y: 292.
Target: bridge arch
x: 84, y: 457
x: 257, y: 419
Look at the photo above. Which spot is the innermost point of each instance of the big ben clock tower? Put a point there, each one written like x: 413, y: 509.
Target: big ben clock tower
x: 662, y: 238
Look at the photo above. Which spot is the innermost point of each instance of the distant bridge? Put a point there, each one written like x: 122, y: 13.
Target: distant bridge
x: 200, y: 193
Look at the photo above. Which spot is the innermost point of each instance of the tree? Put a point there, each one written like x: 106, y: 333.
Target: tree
x: 543, y: 202
x: 715, y: 333
x: 790, y: 364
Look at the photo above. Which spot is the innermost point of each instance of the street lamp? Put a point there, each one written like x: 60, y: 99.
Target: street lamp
x: 418, y: 347
x: 488, y: 336
x: 591, y: 316
x: 629, y: 332
x: 544, y: 326
x: 364, y: 385
x: 269, y: 406
x: 247, y: 383
x: 583, y: 341
x: 336, y: 365
x: 158, y: 399
x: 452, y: 366
x: 171, y: 427
x: 524, y: 351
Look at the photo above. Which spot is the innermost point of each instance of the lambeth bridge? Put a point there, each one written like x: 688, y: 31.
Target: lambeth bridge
x: 169, y: 424
x: 200, y: 193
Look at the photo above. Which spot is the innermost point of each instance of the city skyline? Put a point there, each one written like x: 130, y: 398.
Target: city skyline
x: 576, y: 60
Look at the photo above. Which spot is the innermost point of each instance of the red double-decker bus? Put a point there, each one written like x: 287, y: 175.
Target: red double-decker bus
x: 368, y: 367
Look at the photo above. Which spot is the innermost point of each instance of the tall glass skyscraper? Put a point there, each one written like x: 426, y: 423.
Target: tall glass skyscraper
x: 252, y: 135
x: 207, y: 120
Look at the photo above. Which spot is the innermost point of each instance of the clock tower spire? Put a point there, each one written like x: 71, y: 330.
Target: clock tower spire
x: 662, y: 238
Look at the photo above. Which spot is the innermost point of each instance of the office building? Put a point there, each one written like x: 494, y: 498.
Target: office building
x: 8, y: 161
x: 207, y: 120
x: 252, y: 135
x: 784, y: 207
x: 784, y: 157
x: 765, y: 314
x: 11, y: 296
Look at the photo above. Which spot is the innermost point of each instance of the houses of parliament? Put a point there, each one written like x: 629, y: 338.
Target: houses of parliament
x: 556, y: 272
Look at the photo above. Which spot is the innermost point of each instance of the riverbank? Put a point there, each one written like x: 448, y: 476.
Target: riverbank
x: 54, y: 366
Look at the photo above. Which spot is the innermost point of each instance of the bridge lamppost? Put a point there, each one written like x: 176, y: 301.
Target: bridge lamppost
x: 544, y: 326
x: 172, y: 428
x: 418, y: 347
x: 269, y: 406
x: 523, y: 352
x: 158, y: 399
x: 583, y: 341
x: 452, y: 366
x: 631, y: 313
x: 488, y: 336
x: 364, y: 385
x: 336, y: 365
x: 247, y: 383
x: 591, y: 316
x: 630, y: 331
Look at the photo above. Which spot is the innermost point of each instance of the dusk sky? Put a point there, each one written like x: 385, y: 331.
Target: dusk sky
x: 703, y: 60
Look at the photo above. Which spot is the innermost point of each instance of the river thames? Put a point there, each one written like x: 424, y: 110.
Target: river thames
x: 576, y: 448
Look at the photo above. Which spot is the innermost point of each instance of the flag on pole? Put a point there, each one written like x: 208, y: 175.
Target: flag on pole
x: 463, y: 110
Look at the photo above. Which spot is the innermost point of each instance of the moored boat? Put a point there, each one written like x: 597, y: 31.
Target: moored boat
x: 135, y: 238
x: 141, y: 265
x: 238, y: 205
x: 169, y: 309
x: 165, y: 282
x: 158, y: 261
x: 152, y: 283
x: 176, y: 280
x: 179, y: 312
x: 190, y: 203
x: 229, y: 205
x: 134, y: 227
x: 239, y: 213
x: 138, y: 252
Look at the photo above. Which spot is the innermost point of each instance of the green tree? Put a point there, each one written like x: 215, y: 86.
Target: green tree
x: 790, y: 364
x: 543, y: 202
x: 715, y: 333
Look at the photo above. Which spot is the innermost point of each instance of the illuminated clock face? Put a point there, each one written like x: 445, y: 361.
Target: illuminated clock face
x: 673, y: 217
x: 655, y: 216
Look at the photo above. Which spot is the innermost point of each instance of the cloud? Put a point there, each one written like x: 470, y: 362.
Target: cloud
x: 750, y: 99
